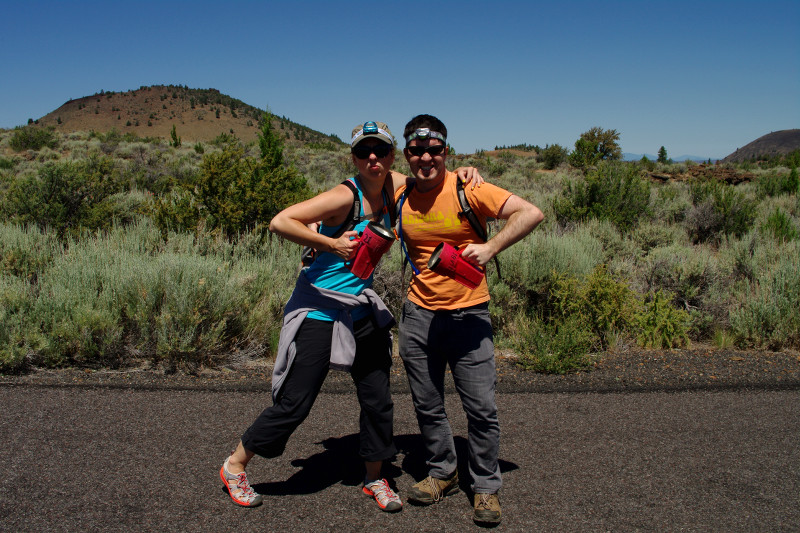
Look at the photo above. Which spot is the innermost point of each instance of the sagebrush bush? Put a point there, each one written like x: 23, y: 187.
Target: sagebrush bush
x: 766, y: 314
x: 617, y: 247
x: 614, y: 192
x: 322, y: 167
x: 648, y: 235
x: 682, y: 272
x: 128, y: 295
x: 17, y: 340
x: 669, y: 203
x: 532, y: 263
x: 719, y: 210
x: 26, y: 252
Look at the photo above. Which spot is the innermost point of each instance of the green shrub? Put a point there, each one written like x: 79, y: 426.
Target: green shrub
x: 241, y: 192
x: 779, y: 226
x: 176, y: 211
x: 614, y: 192
x: 493, y: 168
x: 776, y: 184
x: 552, y: 156
x: 32, y: 138
x: 718, y: 210
x: 647, y: 164
x: 793, y: 181
x: 65, y: 196
x: 558, y: 347
x: 175, y: 140
x: 604, y: 304
x: 660, y: 324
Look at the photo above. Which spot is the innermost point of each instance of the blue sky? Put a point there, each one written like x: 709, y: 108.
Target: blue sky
x: 699, y: 78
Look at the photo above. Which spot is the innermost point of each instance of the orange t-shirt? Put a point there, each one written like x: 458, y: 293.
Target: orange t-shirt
x: 431, y: 217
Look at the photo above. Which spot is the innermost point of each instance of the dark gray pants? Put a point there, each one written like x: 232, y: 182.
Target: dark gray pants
x: 270, y: 432
x: 462, y: 338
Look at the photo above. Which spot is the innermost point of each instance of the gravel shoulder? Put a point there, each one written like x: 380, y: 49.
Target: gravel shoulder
x: 628, y: 370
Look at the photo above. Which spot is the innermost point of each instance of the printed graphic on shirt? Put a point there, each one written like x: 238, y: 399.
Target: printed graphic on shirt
x: 429, y: 219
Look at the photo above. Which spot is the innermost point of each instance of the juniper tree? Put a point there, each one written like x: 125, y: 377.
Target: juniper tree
x: 596, y: 145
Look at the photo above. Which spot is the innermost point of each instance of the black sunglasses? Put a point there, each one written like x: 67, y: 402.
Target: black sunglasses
x: 436, y: 149
x: 362, y: 151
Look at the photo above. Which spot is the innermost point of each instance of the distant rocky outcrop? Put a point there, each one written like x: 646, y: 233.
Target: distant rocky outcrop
x: 773, y: 144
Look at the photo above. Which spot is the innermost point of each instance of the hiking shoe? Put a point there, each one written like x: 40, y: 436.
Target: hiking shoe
x: 487, y: 509
x: 239, y: 488
x: 387, y: 499
x: 431, y: 490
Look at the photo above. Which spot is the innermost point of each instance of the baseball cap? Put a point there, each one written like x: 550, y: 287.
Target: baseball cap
x: 375, y: 130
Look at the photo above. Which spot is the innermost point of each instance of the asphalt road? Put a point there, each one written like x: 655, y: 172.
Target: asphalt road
x: 127, y: 459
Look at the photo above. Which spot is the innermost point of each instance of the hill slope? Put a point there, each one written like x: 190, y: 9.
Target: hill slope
x: 775, y: 143
x: 197, y: 114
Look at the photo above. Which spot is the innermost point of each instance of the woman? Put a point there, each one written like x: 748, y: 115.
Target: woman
x: 333, y: 319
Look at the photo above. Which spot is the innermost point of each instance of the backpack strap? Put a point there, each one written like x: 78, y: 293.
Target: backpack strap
x: 468, y: 213
x: 354, y: 216
x: 399, y: 210
x: 472, y: 218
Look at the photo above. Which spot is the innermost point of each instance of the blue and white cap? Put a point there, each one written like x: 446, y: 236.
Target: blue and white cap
x: 375, y: 130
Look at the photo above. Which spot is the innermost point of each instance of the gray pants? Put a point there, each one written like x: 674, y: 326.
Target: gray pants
x: 429, y: 341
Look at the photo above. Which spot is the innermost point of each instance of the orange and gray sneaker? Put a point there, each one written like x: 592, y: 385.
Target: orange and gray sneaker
x: 239, y: 488
x: 387, y: 499
x: 487, y: 509
x: 431, y: 490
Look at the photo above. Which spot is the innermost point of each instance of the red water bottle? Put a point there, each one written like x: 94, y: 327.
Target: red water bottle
x: 447, y: 261
x: 373, y: 243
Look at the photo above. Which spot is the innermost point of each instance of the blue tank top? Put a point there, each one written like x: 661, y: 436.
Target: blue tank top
x: 329, y: 271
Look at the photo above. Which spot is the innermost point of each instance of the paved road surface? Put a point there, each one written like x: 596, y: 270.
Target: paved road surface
x: 94, y: 459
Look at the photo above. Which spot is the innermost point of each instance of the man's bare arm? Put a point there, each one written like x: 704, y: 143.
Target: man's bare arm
x: 521, y: 218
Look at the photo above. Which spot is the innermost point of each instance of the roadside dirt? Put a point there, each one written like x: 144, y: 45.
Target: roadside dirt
x: 624, y: 370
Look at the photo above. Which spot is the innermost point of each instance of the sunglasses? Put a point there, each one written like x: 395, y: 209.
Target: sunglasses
x: 362, y: 151
x: 434, y: 150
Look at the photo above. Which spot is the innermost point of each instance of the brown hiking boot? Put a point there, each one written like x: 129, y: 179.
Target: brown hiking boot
x: 431, y: 490
x: 487, y: 509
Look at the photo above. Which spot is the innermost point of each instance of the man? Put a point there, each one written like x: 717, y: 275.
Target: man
x: 446, y: 323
